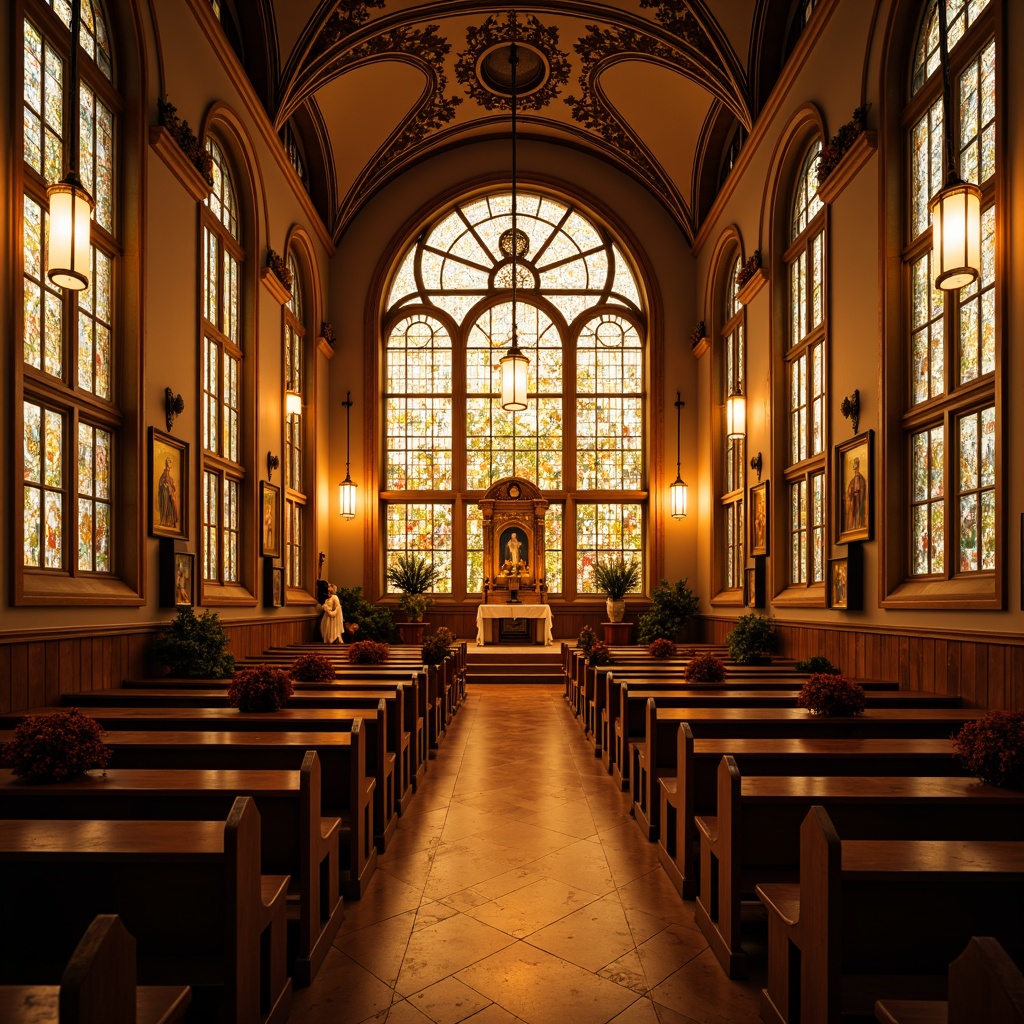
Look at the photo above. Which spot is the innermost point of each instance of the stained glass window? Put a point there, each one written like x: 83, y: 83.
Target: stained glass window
x: 733, y: 475
x: 424, y: 530
x: 606, y: 532
x: 953, y: 340
x: 69, y: 417
x: 805, y: 369
x: 580, y: 321
x: 294, y: 382
x: 222, y: 256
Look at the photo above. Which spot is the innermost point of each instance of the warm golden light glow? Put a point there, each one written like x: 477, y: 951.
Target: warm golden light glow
x: 680, y: 497
x: 513, y: 379
x: 736, y: 415
x: 956, y: 235
x: 347, y: 498
x: 292, y: 403
x: 68, y: 229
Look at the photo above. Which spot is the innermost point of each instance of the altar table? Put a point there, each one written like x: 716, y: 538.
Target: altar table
x: 487, y: 612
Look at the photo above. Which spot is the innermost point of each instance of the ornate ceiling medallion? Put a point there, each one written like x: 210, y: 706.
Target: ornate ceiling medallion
x: 484, y: 68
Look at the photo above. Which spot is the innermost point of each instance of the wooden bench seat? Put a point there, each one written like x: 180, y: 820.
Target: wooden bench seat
x: 98, y: 985
x: 295, y: 839
x: 693, y: 789
x: 876, y: 919
x: 190, y: 892
x: 755, y: 835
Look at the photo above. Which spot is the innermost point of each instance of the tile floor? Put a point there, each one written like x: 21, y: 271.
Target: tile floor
x: 519, y: 889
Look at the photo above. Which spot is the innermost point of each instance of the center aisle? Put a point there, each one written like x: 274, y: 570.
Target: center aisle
x: 518, y: 888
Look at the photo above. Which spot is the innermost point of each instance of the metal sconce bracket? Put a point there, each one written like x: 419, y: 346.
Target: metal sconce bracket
x: 272, y: 463
x: 173, y: 406
x: 756, y: 464
x: 851, y: 408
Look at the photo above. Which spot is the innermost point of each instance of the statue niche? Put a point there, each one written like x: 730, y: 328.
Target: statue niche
x: 513, y: 533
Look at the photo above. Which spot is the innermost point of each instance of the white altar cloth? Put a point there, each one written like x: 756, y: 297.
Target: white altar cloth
x: 512, y: 611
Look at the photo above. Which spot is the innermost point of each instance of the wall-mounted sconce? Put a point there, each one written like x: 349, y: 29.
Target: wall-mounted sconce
x: 174, y: 405
x: 292, y: 403
x: 756, y: 464
x: 272, y: 463
x: 347, y: 489
x: 678, y: 489
x: 736, y: 414
x: 851, y: 408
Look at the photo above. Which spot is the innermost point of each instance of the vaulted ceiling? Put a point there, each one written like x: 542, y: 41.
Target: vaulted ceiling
x: 370, y: 88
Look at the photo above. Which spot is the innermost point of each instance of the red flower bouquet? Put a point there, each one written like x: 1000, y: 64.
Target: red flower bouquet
x: 828, y: 694
x: 312, y: 668
x: 704, y: 668
x: 661, y: 648
x: 50, y: 748
x: 599, y: 654
x: 260, y: 688
x: 368, y: 652
x: 992, y: 748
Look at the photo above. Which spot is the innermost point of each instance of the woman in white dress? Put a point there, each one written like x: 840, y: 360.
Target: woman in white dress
x: 332, y: 623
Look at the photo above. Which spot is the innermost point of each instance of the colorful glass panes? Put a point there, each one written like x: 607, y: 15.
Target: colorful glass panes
x: 96, y: 159
x: 94, y: 492
x: 978, y: 309
x: 927, y: 509
x: 976, y: 491
x: 94, y: 328
x: 806, y: 204
x: 474, y: 549
x: 44, y: 486
x: 293, y: 543
x: 960, y: 15
x: 927, y: 326
x: 231, y: 530
x: 43, y: 304
x: 798, y: 532
x: 43, y: 101
x: 221, y: 201
x: 211, y: 526
x: 424, y: 530
x: 553, y: 546
x: 606, y: 531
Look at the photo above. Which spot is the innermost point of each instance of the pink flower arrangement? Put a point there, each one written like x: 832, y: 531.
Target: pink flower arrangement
x: 368, y: 652
x: 260, y: 688
x: 992, y: 748
x: 312, y: 668
x: 50, y: 748
x: 661, y: 648
x: 704, y: 668
x: 828, y: 694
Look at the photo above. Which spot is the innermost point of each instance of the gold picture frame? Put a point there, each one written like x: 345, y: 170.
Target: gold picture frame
x: 854, y: 465
x: 168, y: 486
x: 270, y: 520
x: 759, y: 519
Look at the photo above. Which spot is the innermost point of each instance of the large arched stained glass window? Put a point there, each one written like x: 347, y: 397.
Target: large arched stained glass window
x: 582, y: 439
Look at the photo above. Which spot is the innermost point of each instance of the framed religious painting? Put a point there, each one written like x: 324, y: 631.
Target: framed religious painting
x: 854, y: 493
x: 838, y: 582
x: 273, y: 584
x: 177, y: 575
x: 270, y: 520
x: 168, y: 486
x: 760, y: 523
x: 754, y: 584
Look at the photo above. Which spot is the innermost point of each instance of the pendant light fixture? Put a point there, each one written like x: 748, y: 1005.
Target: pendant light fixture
x: 679, y: 490
x: 513, y: 364
x: 956, y: 207
x: 736, y: 413
x: 347, y: 489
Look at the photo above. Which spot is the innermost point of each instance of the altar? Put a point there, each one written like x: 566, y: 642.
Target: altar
x: 486, y: 614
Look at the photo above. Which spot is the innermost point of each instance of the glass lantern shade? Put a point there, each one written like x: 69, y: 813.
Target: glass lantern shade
x: 347, y: 498
x: 956, y: 235
x: 680, y: 495
x: 68, y: 229
x: 292, y: 403
x: 513, y: 379
x: 736, y: 416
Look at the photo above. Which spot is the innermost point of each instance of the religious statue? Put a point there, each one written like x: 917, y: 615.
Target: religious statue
x: 333, y: 622
x: 513, y: 547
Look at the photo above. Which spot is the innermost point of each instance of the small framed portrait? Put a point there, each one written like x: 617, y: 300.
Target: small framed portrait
x: 760, y: 524
x: 846, y: 580
x: 184, y: 578
x: 270, y: 520
x: 168, y: 486
x: 273, y: 585
x: 838, y: 583
x: 854, y: 497
x: 754, y: 584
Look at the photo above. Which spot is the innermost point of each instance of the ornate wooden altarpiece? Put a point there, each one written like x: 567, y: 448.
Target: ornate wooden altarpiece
x: 513, y: 533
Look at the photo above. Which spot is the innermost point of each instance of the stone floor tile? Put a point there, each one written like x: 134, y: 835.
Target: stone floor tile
x: 524, y: 911
x: 449, y: 1001
x: 592, y: 937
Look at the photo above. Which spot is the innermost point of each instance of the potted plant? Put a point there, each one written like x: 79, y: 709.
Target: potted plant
x: 437, y: 645
x: 586, y: 640
x: 599, y: 654
x: 51, y: 748
x: 753, y: 640
x: 368, y: 652
x: 992, y: 748
x: 615, y: 579
x: 673, y: 604
x: 365, y: 621
x: 194, y: 647
x: 705, y: 668
x: 661, y: 648
x: 260, y: 688
x: 312, y: 668
x: 830, y: 694
x: 413, y: 576
x: 817, y: 663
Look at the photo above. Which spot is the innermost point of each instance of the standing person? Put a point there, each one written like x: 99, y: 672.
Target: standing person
x: 332, y: 623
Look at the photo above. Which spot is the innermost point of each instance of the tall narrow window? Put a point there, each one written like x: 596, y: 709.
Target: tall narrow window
x: 582, y: 438
x: 733, y: 449
x: 295, y: 497
x: 949, y: 419
x: 805, y: 375
x: 70, y: 416
x: 221, y: 369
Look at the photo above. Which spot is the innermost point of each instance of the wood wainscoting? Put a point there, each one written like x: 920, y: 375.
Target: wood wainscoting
x: 986, y: 670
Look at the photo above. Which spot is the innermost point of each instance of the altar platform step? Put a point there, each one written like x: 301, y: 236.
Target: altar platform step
x: 513, y: 663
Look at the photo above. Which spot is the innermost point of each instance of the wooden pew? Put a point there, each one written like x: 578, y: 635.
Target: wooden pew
x: 345, y: 790
x: 984, y: 985
x: 866, y: 909
x: 379, y: 760
x: 190, y: 892
x: 295, y: 839
x: 693, y: 789
x: 98, y: 985
x: 648, y: 758
x: 755, y: 835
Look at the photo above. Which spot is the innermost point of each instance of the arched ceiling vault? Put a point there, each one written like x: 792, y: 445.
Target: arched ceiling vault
x: 391, y: 82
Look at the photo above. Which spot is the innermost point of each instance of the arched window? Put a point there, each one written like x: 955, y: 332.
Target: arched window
x: 70, y: 409
x: 295, y: 496
x: 221, y: 376
x: 582, y: 439
x: 949, y: 406
x: 733, y: 450
x: 806, y: 374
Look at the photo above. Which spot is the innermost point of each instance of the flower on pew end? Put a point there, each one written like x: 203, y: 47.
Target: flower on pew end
x: 599, y: 654
x: 586, y: 640
x: 312, y: 668
x: 704, y: 668
x: 828, y: 694
x: 368, y: 652
x: 260, y: 688
x: 51, y: 748
x: 661, y: 648
x: 992, y: 748
x: 437, y: 645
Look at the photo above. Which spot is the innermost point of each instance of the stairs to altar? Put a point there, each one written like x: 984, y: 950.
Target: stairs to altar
x: 513, y: 664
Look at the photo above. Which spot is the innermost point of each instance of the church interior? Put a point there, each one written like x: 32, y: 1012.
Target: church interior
x: 717, y: 293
